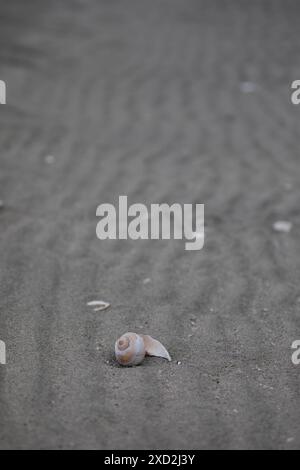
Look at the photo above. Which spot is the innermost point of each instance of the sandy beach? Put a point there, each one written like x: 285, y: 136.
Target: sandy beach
x: 164, y: 101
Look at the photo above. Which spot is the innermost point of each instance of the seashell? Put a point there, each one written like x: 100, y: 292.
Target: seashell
x: 132, y: 348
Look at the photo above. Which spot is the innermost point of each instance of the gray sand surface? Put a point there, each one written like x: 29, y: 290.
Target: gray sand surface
x: 164, y: 101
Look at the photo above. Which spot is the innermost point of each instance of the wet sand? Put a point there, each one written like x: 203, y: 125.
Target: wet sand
x: 163, y: 101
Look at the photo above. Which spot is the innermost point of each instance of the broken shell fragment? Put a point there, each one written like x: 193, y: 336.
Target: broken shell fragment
x: 99, y: 305
x: 155, y: 348
x: 132, y: 348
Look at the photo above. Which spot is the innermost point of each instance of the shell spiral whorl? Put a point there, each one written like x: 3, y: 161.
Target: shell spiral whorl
x: 130, y: 349
x: 123, y: 343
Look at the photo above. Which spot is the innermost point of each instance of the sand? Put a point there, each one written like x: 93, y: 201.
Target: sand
x: 162, y: 101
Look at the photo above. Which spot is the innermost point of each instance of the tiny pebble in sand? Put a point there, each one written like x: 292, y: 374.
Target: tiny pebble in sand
x: 49, y: 159
x: 248, y: 87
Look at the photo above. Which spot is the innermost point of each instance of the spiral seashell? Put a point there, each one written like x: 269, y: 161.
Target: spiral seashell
x: 132, y: 348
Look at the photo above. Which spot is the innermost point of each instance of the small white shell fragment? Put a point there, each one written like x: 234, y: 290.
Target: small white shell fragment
x: 147, y: 281
x: 282, y: 226
x: 290, y: 439
x: 155, y: 348
x: 98, y: 304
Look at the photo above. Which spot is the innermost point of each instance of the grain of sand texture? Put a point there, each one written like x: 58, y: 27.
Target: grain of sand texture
x: 163, y: 101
